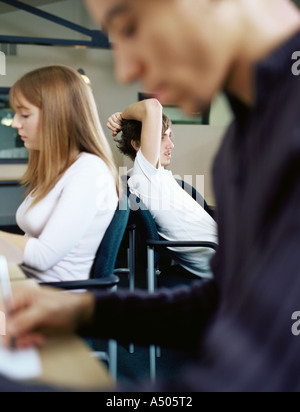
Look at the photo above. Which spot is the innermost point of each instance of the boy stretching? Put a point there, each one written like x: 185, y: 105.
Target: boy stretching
x: 147, y: 139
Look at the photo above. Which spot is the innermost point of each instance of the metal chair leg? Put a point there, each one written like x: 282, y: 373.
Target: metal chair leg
x: 151, y: 269
x: 131, y: 260
x: 113, y: 358
x: 152, y: 352
x: 131, y: 265
x: 151, y: 289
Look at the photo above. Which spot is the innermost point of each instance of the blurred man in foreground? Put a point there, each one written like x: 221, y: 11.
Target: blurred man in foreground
x: 185, y: 51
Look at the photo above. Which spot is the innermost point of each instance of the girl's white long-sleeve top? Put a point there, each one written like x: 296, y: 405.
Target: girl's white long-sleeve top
x: 68, y: 225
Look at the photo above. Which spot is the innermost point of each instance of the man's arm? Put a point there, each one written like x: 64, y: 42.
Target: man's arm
x: 169, y: 318
x: 149, y: 113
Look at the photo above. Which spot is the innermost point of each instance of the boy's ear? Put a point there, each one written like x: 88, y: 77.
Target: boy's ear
x: 135, y: 145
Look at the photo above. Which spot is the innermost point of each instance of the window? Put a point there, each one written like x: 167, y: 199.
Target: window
x: 11, y: 146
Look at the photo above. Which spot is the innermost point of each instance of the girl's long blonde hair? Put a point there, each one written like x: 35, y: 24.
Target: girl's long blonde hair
x: 70, y: 124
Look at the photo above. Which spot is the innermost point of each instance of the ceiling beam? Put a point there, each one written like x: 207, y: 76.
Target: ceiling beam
x: 8, y: 9
x: 97, y: 38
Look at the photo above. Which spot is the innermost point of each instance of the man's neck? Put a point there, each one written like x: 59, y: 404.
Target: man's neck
x: 266, y: 35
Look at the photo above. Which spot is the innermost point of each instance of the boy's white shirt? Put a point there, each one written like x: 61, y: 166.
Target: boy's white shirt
x: 177, y: 215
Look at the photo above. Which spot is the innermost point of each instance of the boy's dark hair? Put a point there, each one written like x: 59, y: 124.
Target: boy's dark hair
x: 131, y: 131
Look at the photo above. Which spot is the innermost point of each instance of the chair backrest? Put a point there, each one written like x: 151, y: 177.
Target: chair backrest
x: 105, y: 260
x: 145, y: 225
x: 196, y: 196
x: 146, y: 228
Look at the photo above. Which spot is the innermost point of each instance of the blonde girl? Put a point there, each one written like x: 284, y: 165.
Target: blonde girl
x: 72, y: 181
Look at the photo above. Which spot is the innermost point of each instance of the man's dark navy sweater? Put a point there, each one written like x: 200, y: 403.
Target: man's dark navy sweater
x: 249, y: 344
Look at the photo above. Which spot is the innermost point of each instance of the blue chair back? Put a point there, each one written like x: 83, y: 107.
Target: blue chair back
x: 144, y: 222
x: 106, y: 257
x: 145, y: 225
x: 196, y: 196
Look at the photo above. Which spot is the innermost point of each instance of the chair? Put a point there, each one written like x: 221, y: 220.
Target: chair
x: 143, y: 223
x: 129, y: 244
x: 102, y: 273
x: 196, y: 196
x: 103, y: 269
x: 146, y: 225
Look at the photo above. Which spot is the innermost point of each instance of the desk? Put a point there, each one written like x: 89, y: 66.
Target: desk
x: 12, y: 254
x: 66, y: 362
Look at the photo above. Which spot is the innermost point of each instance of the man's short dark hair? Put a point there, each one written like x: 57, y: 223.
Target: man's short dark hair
x: 131, y: 131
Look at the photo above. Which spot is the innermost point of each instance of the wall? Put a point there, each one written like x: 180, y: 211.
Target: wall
x: 195, y: 145
x: 195, y: 149
x: 98, y: 64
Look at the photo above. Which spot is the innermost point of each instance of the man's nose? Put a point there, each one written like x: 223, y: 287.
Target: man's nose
x: 171, y: 144
x: 128, y: 67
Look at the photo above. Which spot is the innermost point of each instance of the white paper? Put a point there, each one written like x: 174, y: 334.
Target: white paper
x: 22, y: 364
x: 5, y: 283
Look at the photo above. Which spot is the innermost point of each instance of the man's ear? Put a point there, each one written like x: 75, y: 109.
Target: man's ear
x: 135, y: 145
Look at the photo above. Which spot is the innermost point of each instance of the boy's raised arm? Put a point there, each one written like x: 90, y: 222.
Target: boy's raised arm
x: 149, y: 113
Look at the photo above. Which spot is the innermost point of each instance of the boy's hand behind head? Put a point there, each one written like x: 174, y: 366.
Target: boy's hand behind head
x: 115, y: 123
